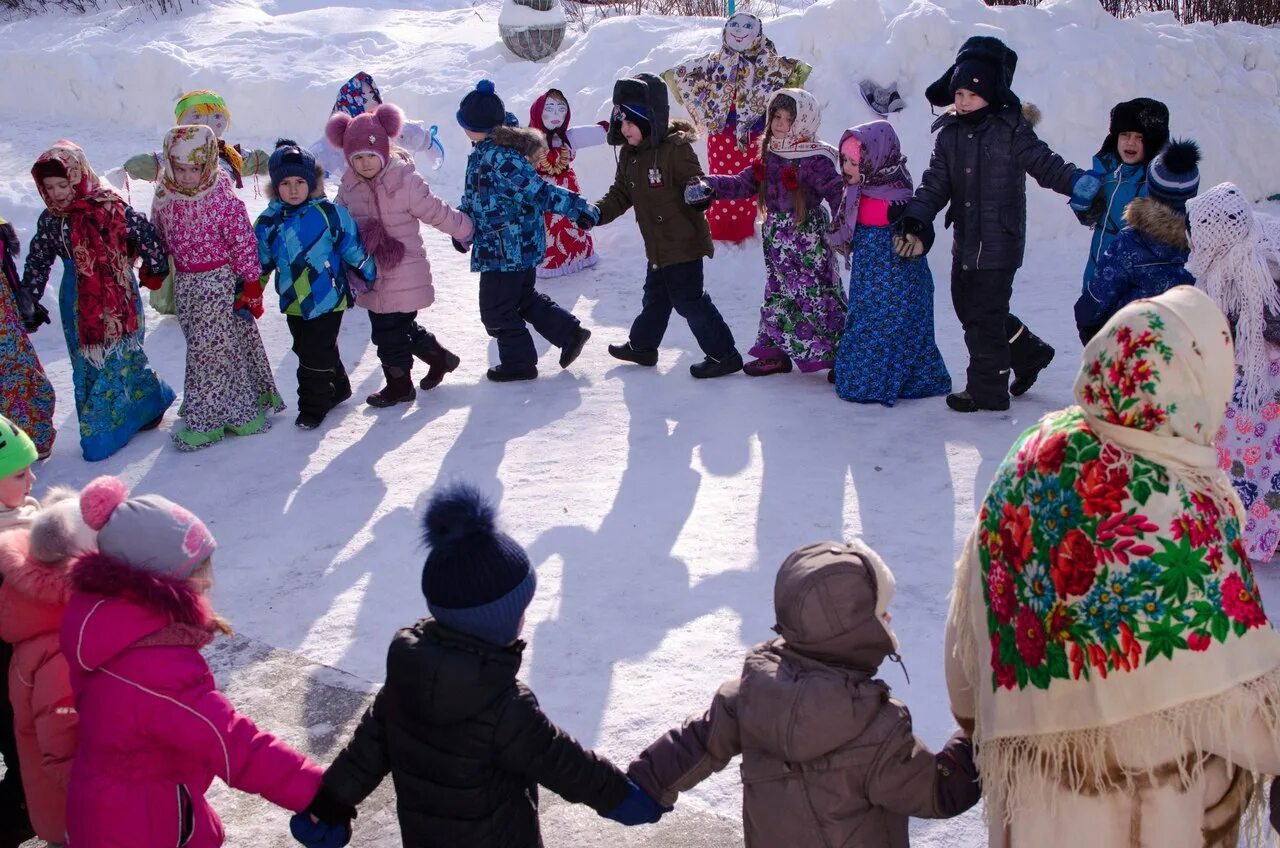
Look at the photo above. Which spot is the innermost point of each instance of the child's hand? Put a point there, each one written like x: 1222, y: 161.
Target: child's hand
x: 588, y: 217
x: 699, y: 193
x: 249, y: 299
x: 907, y: 241
x: 636, y: 808
x: 459, y: 246
x: 151, y: 281
x: 316, y: 834
x: 1083, y: 190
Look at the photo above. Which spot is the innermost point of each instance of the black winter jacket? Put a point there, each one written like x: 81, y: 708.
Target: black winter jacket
x: 467, y: 747
x: 981, y: 170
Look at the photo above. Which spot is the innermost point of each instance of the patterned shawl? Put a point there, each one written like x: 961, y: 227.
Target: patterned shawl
x: 711, y: 86
x: 802, y: 142
x: 352, y: 98
x: 884, y: 174
x: 1104, y: 593
x: 106, y: 292
x: 190, y: 145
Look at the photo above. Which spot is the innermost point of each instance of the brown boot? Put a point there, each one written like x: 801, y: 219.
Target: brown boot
x: 399, y: 388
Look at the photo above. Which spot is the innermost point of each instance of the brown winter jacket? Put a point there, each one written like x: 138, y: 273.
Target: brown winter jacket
x: 828, y: 756
x: 673, y: 231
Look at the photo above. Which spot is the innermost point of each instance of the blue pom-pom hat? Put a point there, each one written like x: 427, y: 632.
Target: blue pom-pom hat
x: 482, y: 110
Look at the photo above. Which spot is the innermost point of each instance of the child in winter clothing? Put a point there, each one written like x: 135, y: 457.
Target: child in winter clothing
x: 35, y: 568
x: 887, y: 350
x: 26, y: 396
x: 154, y: 730
x: 463, y: 739
x: 361, y: 94
x: 569, y: 249
x: 388, y: 198
x: 985, y: 149
x: 217, y: 293
x: 1149, y: 255
x: 828, y: 755
x: 507, y: 199
x: 804, y: 305
x: 308, y: 242
x: 1138, y: 132
x: 657, y: 161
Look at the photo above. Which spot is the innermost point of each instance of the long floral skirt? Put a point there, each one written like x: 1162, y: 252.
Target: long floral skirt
x: 569, y: 248
x: 1249, y: 451
x: 731, y: 220
x: 228, y: 385
x: 804, y: 305
x: 888, y: 349
x: 118, y: 398
x: 26, y: 396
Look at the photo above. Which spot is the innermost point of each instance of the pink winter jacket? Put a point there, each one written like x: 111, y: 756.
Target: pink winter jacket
x: 400, y: 198
x: 209, y: 232
x: 32, y: 600
x: 154, y: 730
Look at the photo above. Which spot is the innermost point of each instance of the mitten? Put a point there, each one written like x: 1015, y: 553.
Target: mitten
x: 151, y: 280
x: 317, y: 834
x: 1084, y: 188
x: 249, y: 299
x: 587, y: 217
x: 1093, y: 215
x: 10, y: 236
x: 909, y: 240
x: 33, y: 314
x: 604, y: 125
x: 144, y: 166
x: 459, y: 246
x: 698, y: 192
x: 329, y: 808
x: 636, y: 808
x: 255, y: 163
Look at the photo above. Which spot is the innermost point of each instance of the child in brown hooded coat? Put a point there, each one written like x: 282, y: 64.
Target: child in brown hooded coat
x: 828, y: 756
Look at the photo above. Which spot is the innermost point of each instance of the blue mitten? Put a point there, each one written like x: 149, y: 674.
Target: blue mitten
x: 698, y: 192
x: 317, y: 834
x: 636, y: 808
x: 1084, y: 189
x: 588, y: 217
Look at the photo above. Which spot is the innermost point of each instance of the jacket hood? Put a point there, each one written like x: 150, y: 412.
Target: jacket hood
x: 1159, y: 221
x: 529, y: 143
x: 445, y: 677
x: 980, y: 48
x: 174, y: 599
x: 830, y: 599
x: 649, y: 90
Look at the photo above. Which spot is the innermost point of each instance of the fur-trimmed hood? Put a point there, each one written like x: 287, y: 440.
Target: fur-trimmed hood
x: 529, y: 143
x: 1158, y: 221
x: 33, y: 595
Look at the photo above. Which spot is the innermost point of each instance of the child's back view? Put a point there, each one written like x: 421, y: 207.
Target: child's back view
x: 828, y: 756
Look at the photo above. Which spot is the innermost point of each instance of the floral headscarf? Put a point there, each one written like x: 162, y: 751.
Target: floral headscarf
x: 1105, y: 593
x: 352, y: 98
x: 106, y: 292
x: 884, y: 173
x: 802, y: 141
x: 190, y: 145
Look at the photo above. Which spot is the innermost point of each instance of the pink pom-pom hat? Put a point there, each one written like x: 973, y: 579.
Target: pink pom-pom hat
x: 371, y: 132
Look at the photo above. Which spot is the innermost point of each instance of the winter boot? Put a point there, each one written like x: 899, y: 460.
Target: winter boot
x: 640, y: 356
x: 713, y: 367
x: 341, y: 385
x: 570, y: 351
x: 964, y: 402
x: 503, y: 374
x: 1030, y: 355
x: 308, y: 421
x: 765, y: 366
x: 399, y: 388
x: 440, y: 360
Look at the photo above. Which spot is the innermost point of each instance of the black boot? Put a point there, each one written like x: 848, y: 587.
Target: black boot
x: 503, y: 374
x: 713, y: 367
x: 640, y: 356
x: 440, y: 361
x: 964, y: 402
x: 315, y: 396
x: 572, y: 349
x: 341, y: 385
x: 399, y: 388
x: 1030, y: 355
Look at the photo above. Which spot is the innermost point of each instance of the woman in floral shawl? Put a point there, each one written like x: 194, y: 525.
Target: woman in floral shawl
x: 727, y: 93
x: 98, y: 236
x: 1106, y: 641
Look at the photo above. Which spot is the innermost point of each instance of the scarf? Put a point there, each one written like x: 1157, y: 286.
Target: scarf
x: 802, y: 142
x: 190, y: 145
x: 1230, y: 251
x: 728, y: 80
x: 1104, y: 593
x: 884, y: 174
x: 352, y: 98
x: 106, y: 292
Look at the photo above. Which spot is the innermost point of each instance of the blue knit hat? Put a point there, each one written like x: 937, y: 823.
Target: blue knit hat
x: 290, y: 160
x: 476, y: 580
x: 482, y: 110
x: 1173, y: 177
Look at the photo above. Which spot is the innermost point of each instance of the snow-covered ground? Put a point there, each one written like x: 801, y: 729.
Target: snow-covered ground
x: 656, y: 507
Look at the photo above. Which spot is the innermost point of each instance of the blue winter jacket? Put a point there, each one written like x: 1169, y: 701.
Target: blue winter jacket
x: 1147, y: 258
x: 506, y: 200
x: 309, y: 246
x: 1121, y: 185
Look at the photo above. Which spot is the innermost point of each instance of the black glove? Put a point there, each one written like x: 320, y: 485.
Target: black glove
x: 459, y: 246
x: 912, y: 238
x: 33, y: 314
x: 330, y: 809
x: 10, y: 237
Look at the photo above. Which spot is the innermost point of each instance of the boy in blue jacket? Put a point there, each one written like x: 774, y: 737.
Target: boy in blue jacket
x: 309, y: 242
x: 506, y: 199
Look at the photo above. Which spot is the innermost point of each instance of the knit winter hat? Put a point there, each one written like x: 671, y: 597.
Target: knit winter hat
x: 17, y: 451
x: 482, y: 110
x: 637, y: 114
x: 1174, y: 176
x: 371, y: 132
x: 980, y: 77
x: 150, y: 533
x: 290, y: 160
x: 476, y: 579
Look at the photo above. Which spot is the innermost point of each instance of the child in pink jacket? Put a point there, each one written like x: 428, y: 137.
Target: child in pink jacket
x: 388, y: 198
x: 217, y: 293
x: 34, y: 565
x: 154, y: 729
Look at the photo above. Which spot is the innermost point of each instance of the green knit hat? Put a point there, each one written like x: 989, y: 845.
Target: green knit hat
x: 17, y: 451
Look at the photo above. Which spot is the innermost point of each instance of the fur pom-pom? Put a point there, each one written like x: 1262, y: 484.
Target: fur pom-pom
x: 1181, y: 155
x: 485, y: 86
x: 285, y: 142
x: 57, y: 494
x: 387, y: 252
x: 100, y: 499
x: 335, y: 129
x: 392, y: 119
x: 60, y: 532
x: 455, y: 512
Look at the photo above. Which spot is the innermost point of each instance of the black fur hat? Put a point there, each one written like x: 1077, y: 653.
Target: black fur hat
x: 650, y: 93
x: 1144, y: 115
x: 984, y: 50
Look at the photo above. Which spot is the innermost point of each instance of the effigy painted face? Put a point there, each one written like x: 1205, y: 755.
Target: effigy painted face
x: 554, y: 113
x: 742, y: 32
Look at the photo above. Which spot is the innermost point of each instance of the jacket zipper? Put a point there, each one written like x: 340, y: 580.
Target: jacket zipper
x: 1111, y: 201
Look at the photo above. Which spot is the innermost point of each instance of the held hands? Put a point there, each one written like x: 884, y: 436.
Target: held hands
x: 326, y: 823
x: 150, y: 280
x: 636, y: 808
x: 1084, y: 188
x: 588, y: 217
x: 699, y: 193
x: 908, y: 241
x: 33, y: 314
x: 248, y: 303
x: 459, y: 246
